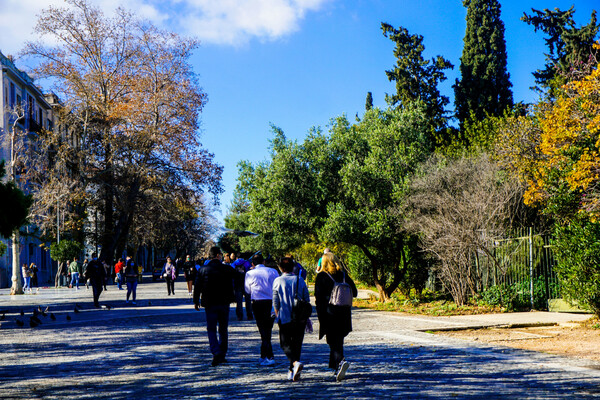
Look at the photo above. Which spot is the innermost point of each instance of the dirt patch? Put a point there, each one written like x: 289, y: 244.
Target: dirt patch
x: 571, y: 340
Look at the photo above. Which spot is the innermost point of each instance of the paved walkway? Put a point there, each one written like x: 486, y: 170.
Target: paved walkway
x: 158, y: 349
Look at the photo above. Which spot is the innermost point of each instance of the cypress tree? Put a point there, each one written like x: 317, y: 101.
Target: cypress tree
x: 484, y: 86
x: 369, y: 101
x: 417, y: 79
x: 571, y: 48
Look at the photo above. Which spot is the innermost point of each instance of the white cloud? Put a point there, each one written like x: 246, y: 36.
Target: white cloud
x: 227, y: 22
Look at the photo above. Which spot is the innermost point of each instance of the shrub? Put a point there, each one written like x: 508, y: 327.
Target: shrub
x: 577, y: 250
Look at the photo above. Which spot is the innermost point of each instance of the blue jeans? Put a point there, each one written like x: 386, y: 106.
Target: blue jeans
x: 131, y: 288
x: 120, y: 280
x: 75, y: 278
x: 217, y: 315
x: 27, y: 283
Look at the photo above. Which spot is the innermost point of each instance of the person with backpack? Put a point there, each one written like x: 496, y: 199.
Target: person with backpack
x: 286, y: 288
x: 334, y: 290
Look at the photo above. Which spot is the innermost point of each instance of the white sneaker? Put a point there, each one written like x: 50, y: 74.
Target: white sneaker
x: 341, y: 372
x: 268, y: 361
x: 290, y: 375
x: 296, y: 372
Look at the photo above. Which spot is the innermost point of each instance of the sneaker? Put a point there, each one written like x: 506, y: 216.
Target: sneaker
x: 268, y: 361
x: 261, y: 361
x: 341, y: 372
x: 133, y: 302
x: 126, y: 301
x: 296, y: 371
x: 290, y: 375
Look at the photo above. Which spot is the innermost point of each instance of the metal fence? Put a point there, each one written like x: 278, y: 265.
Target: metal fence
x: 521, y: 264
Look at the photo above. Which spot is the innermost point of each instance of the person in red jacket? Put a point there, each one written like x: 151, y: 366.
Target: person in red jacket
x: 119, y: 271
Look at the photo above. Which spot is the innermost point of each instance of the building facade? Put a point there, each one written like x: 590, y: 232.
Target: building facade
x: 25, y: 109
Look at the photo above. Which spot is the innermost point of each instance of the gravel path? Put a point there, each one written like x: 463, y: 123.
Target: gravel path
x: 159, y: 350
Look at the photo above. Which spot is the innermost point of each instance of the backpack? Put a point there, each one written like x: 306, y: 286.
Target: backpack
x: 341, y: 295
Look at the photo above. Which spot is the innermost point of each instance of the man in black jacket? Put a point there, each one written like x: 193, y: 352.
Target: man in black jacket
x: 214, y: 282
x: 96, y: 274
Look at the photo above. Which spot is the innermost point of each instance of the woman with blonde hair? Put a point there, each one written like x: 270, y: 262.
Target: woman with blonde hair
x: 335, y: 320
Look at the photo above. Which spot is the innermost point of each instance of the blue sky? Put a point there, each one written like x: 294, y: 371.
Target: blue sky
x: 299, y: 63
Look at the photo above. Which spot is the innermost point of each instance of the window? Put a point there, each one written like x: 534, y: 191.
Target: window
x: 13, y: 92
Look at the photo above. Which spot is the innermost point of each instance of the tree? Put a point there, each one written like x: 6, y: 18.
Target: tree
x: 562, y: 178
x: 340, y: 188
x: 459, y: 208
x: 417, y: 79
x: 484, y: 87
x: 369, y: 101
x: 63, y: 252
x: 569, y: 47
x: 14, y: 205
x: 132, y: 103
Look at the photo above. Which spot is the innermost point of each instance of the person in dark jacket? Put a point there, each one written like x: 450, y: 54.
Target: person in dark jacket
x: 213, y: 290
x: 335, y: 322
x: 189, y: 271
x: 96, y: 274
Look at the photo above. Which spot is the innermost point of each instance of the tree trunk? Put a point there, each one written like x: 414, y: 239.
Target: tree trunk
x: 17, y: 287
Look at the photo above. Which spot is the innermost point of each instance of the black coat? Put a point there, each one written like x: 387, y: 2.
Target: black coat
x: 333, y: 320
x: 95, y: 272
x: 214, y: 282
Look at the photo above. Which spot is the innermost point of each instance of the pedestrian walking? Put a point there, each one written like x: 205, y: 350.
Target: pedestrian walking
x: 259, y: 284
x: 333, y: 311
x: 84, y: 265
x: 131, y: 279
x: 34, y: 274
x: 96, y: 274
x: 26, y: 273
x: 169, y: 273
x: 189, y: 272
x: 291, y: 332
x: 75, y: 270
x: 119, y: 267
x: 213, y: 290
x: 241, y: 296
x: 140, y: 273
x: 108, y: 274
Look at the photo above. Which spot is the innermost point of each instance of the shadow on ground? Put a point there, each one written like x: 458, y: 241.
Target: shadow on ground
x: 166, y: 357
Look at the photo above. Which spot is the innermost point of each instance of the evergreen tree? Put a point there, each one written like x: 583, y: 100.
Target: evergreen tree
x: 14, y: 205
x: 484, y: 87
x: 570, y: 47
x: 417, y: 79
x: 369, y: 101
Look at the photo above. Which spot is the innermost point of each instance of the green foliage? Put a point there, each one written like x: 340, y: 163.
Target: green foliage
x: 417, y: 79
x: 577, y: 251
x: 65, y: 250
x: 484, y: 86
x: 569, y: 46
x: 2, y: 248
x: 369, y: 101
x: 340, y: 188
x: 14, y: 205
x: 517, y: 296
